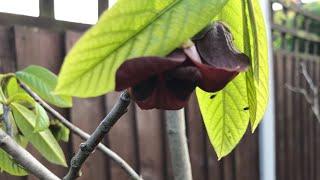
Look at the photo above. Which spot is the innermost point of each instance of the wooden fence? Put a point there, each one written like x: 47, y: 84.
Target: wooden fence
x: 139, y: 137
x: 296, y: 36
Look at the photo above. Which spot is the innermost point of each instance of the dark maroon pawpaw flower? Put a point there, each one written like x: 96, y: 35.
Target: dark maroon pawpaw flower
x: 167, y: 82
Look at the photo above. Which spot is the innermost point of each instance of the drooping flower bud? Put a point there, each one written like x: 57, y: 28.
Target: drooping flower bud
x: 167, y: 82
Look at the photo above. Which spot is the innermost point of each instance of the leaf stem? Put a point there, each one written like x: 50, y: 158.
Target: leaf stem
x: 83, y: 135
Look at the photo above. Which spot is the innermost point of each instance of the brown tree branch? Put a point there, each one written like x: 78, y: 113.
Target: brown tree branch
x: 83, y: 135
x: 24, y: 158
x: 104, y: 127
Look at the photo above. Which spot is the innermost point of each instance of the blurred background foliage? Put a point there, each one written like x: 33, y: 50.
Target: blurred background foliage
x: 293, y: 22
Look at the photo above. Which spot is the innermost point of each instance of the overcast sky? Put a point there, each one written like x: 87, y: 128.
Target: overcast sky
x: 83, y: 11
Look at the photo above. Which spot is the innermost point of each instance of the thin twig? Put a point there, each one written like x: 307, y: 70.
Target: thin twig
x: 312, y: 99
x: 83, y: 135
x: 104, y: 127
x: 300, y: 91
x: 308, y: 78
x: 24, y: 158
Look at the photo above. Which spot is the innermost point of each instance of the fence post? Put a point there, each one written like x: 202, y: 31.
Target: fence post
x: 267, y: 128
x: 102, y: 6
x: 46, y: 8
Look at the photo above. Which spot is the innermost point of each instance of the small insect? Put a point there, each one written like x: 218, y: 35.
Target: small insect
x: 246, y: 108
x: 211, y: 97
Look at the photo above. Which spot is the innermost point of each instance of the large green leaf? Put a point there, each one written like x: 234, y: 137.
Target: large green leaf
x: 225, y: 115
x: 254, y: 85
x: 257, y: 50
x: 8, y: 165
x: 43, y: 141
x: 43, y: 82
x: 130, y: 29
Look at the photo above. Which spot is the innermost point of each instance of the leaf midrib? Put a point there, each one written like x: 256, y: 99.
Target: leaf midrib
x: 153, y: 20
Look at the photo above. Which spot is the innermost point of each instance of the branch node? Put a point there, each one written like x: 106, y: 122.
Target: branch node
x: 74, y: 163
x: 86, y: 149
x: 125, y: 96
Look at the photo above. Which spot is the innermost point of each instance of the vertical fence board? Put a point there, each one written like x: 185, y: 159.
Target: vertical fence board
x: 284, y: 119
x: 296, y: 118
x: 317, y: 134
x: 197, y: 146
x: 314, y: 128
x: 304, y: 118
x: 247, y: 157
x: 39, y: 46
x: 44, y: 48
x: 7, y: 64
x: 150, y: 140
x: 87, y: 114
x: 301, y: 120
x: 288, y: 117
x: 122, y: 139
x: 229, y: 167
x: 7, y: 50
x: 214, y: 166
x: 311, y: 124
x: 315, y: 123
x: 280, y: 147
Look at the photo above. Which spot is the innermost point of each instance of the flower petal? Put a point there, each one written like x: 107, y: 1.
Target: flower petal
x: 183, y: 80
x: 171, y: 90
x: 216, y: 57
x: 160, y: 98
x: 214, y: 79
x: 135, y: 70
x: 216, y: 48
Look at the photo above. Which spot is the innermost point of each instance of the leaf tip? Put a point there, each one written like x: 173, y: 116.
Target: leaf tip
x: 254, y: 128
x: 220, y: 156
x: 64, y: 164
